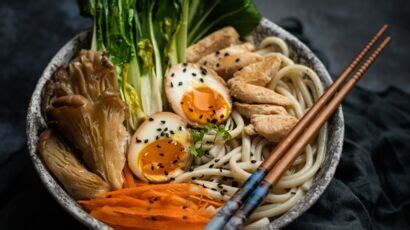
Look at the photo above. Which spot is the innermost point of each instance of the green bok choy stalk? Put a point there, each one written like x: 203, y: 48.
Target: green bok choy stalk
x: 144, y: 37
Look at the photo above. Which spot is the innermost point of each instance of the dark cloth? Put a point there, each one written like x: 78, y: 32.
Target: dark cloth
x: 371, y: 189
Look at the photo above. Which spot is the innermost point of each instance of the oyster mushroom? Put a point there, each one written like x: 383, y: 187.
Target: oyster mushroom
x: 86, y: 109
x: 75, y: 177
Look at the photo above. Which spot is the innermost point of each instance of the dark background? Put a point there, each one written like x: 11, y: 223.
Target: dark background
x: 371, y: 189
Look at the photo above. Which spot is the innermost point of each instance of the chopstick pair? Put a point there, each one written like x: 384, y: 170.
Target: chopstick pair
x: 242, y: 204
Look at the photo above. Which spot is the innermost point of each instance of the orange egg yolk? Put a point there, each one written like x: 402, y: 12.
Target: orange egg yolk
x: 203, y: 105
x: 162, y: 157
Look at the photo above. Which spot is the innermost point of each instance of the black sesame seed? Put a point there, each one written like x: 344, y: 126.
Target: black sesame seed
x: 220, y: 170
x: 224, y: 190
x: 172, y: 132
x: 237, y: 60
x: 253, y: 161
x: 211, y: 165
x: 210, y: 107
x: 216, y: 160
x: 214, y: 189
x: 180, y: 83
x: 167, y: 134
x: 251, y: 154
x: 217, y: 52
x: 220, y: 186
x: 166, y: 129
x: 180, y: 128
x: 191, y: 110
x: 157, y: 137
x: 162, y: 154
x: 184, y: 207
x: 159, y: 129
x: 172, y: 85
x: 234, y: 183
x: 171, y: 179
x: 159, y: 146
x: 191, y: 169
x: 161, y: 165
x: 166, y: 173
x: 182, y: 103
x: 184, y: 64
x: 214, y: 121
x: 151, y: 119
x: 163, y: 122
x: 184, y: 70
x: 139, y: 141
x: 201, y: 116
x: 193, y: 178
x: 226, y: 54
x: 222, y: 193
x: 184, y: 217
x: 151, y: 202
x: 226, y: 163
x: 222, y: 116
x: 174, y: 161
x: 170, y: 141
x: 152, y: 167
x: 201, y: 80
x: 240, y: 69
x: 293, y: 193
x: 214, y: 111
x: 202, y: 176
x: 217, y: 65
x: 194, y: 74
x: 172, y: 74
x: 146, y: 141
x: 205, y: 62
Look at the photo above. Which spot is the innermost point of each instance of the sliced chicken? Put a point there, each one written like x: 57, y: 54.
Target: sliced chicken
x: 75, y: 177
x: 247, y: 110
x: 258, y: 73
x: 229, y: 60
x: 217, y: 40
x: 273, y: 127
x: 257, y: 94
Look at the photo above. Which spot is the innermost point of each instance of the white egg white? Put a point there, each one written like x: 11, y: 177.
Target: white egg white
x: 148, y: 133
x: 183, y: 78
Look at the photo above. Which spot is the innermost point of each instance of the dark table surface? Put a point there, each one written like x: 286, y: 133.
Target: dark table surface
x: 371, y: 188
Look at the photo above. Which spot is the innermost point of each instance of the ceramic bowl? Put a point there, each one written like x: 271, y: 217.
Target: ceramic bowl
x: 299, y: 52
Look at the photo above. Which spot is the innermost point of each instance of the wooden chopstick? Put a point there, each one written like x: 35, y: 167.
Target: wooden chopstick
x: 257, y: 196
x: 237, y: 199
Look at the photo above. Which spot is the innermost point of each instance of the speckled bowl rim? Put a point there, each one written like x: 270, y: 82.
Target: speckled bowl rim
x: 302, y: 54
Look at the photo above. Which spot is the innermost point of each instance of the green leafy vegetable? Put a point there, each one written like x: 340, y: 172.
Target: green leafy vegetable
x: 144, y: 37
x: 197, y: 135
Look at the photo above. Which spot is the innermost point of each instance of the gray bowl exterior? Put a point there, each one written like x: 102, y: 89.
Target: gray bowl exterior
x: 299, y: 52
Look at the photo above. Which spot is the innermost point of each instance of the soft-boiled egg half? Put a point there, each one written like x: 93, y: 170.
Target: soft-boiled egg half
x: 159, y: 148
x: 197, y: 94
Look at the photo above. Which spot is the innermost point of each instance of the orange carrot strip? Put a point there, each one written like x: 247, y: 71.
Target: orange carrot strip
x: 139, y: 189
x: 107, y: 215
x: 114, y: 201
x: 129, y: 181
